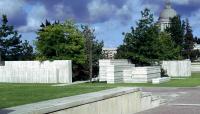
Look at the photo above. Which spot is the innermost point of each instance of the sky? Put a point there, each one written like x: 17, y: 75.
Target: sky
x: 109, y: 18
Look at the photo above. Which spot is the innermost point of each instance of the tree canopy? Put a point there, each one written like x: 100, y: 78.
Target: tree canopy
x: 61, y: 42
x: 145, y: 44
x: 67, y: 41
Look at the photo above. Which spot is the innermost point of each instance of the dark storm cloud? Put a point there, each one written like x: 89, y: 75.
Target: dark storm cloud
x: 18, y: 20
x: 186, y: 10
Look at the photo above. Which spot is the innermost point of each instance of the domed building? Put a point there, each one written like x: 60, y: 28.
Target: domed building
x: 165, y: 15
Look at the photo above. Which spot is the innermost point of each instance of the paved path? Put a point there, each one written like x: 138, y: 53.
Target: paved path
x: 181, y: 101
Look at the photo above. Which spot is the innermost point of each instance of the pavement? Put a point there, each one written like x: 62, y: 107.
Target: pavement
x: 179, y: 100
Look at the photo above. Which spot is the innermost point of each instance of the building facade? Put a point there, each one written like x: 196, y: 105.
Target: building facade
x: 109, y: 53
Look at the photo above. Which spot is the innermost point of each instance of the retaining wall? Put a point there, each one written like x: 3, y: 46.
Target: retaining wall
x: 114, y: 101
x: 36, y: 72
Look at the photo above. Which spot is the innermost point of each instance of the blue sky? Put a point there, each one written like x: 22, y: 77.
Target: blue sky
x: 109, y: 17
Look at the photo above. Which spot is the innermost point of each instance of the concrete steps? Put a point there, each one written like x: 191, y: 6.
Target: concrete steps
x: 150, y: 101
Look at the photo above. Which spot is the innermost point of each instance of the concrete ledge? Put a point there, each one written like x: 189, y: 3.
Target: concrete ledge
x: 70, y: 102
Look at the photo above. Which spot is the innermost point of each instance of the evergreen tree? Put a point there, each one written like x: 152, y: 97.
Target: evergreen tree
x: 47, y: 23
x: 11, y: 45
x: 176, y: 30
x: 166, y: 48
x: 138, y: 44
x: 188, y: 41
x: 145, y: 45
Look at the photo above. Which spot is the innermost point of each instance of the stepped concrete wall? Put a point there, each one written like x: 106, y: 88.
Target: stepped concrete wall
x: 121, y: 71
x: 141, y: 74
x: 195, y: 67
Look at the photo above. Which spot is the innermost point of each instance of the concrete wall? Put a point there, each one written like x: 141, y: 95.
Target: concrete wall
x: 113, y: 101
x: 195, y: 67
x: 108, y: 65
x: 177, y: 68
x: 36, y: 72
x: 141, y: 74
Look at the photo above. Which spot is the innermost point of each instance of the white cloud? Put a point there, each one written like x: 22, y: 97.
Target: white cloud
x: 194, y: 20
x: 11, y: 7
x: 181, y: 2
x: 59, y: 8
x: 185, y: 2
x: 62, y: 11
x: 100, y: 8
x: 111, y: 30
x: 36, y: 15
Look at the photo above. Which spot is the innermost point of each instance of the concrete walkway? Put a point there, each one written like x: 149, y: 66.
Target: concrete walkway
x: 180, y: 101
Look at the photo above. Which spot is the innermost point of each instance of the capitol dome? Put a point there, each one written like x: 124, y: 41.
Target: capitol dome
x: 168, y: 12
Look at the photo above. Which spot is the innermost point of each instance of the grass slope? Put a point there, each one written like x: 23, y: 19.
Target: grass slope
x: 19, y: 94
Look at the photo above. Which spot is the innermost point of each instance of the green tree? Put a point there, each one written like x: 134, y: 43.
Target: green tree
x: 11, y: 45
x: 93, y: 50
x: 166, y: 48
x: 145, y: 45
x: 48, y: 23
x: 138, y: 44
x: 188, y: 44
x: 61, y: 42
x: 176, y: 30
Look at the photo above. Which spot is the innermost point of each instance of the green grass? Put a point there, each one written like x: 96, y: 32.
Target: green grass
x: 19, y: 94
x: 193, y: 81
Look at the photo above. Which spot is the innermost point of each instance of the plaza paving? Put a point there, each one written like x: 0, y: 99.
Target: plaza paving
x: 180, y: 101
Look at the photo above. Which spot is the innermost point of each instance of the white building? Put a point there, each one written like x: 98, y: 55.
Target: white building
x: 167, y: 13
x: 109, y: 53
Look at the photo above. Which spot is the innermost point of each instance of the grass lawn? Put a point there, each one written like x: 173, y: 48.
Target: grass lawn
x: 193, y: 81
x: 19, y: 94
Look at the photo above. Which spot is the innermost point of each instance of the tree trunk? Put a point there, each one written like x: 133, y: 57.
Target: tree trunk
x: 90, y: 59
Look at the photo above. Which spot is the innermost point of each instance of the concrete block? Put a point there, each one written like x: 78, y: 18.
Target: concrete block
x: 195, y: 67
x: 177, y: 68
x: 112, y: 70
x: 142, y: 74
x: 160, y: 80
